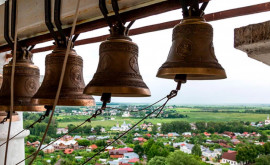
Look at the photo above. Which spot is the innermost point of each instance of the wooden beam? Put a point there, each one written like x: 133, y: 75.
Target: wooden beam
x: 166, y: 25
x: 143, y: 12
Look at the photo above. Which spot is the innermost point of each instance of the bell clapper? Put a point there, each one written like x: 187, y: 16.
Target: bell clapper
x: 105, y: 98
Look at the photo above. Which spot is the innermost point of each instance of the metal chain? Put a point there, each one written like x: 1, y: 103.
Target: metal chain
x: 172, y: 94
x: 42, y: 117
x: 97, y: 113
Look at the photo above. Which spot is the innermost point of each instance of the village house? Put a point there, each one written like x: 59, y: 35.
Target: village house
x: 186, y: 134
x: 34, y: 144
x: 124, y: 127
x: 230, y: 157
x: 49, y: 149
x: 62, y: 144
x: 173, y: 134
x: 91, y: 148
x: 207, y: 134
x: 62, y: 131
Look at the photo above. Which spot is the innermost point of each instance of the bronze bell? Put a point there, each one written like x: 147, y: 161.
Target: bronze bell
x: 192, y: 52
x: 1, y: 80
x: 73, y: 84
x: 26, y: 83
x: 118, y: 71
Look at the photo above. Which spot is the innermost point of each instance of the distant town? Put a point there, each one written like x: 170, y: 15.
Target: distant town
x: 165, y: 139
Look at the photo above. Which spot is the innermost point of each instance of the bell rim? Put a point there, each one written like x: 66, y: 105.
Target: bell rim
x: 203, y: 73
x: 23, y: 108
x: 65, y: 102
x: 117, y: 91
x: 29, y: 65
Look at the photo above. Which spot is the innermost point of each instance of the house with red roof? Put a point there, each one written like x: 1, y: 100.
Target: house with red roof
x: 127, y: 149
x: 140, y: 139
x: 230, y: 157
x: 92, y: 147
x: 148, y: 135
x: 68, y: 151
x: 207, y: 134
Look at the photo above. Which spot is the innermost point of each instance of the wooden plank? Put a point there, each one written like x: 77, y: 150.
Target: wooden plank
x: 142, y: 12
x: 166, y: 25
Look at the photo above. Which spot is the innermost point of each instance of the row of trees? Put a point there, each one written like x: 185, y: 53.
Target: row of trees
x: 39, y: 128
x: 175, y: 126
x: 211, y: 127
x: 220, y: 127
x: 249, y: 153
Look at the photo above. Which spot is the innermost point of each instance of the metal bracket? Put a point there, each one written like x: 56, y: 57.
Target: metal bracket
x: 48, y: 20
x: 194, y: 9
x: 120, y: 23
x: 6, y: 26
x: 57, y: 21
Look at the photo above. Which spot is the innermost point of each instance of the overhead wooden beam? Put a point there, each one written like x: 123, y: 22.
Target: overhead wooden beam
x: 264, y: 7
x: 143, y: 12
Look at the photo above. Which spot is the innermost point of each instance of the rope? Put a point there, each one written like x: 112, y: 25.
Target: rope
x: 12, y: 87
x: 61, y: 81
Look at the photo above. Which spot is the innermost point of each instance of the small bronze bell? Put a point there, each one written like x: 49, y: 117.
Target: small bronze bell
x: 73, y: 84
x: 1, y: 80
x: 3, y: 115
x: 192, y: 52
x: 118, y: 71
x: 26, y: 83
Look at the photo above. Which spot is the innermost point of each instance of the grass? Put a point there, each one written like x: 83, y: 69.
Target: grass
x: 192, y: 117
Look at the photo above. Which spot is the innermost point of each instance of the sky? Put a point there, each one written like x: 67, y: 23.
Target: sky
x: 248, y: 80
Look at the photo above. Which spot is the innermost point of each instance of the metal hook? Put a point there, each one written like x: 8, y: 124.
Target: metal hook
x: 6, y: 26
x: 48, y: 20
x: 57, y: 20
x: 104, y: 11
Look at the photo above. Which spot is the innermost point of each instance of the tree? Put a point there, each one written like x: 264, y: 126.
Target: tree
x: 139, y: 150
x: 263, y: 160
x: 129, y: 138
x: 181, y: 158
x: 247, y: 154
x: 263, y: 137
x: 157, y: 150
x: 157, y: 160
x: 84, y: 142
x: 98, y: 129
x: 196, y: 150
x: 154, y: 129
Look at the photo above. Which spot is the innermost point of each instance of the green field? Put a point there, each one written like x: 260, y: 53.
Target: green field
x: 192, y: 117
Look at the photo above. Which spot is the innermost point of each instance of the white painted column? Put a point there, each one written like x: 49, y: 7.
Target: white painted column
x: 16, y: 150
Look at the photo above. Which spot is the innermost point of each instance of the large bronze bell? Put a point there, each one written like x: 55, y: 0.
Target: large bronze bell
x: 26, y: 83
x: 118, y: 71
x: 192, y: 52
x: 73, y: 84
